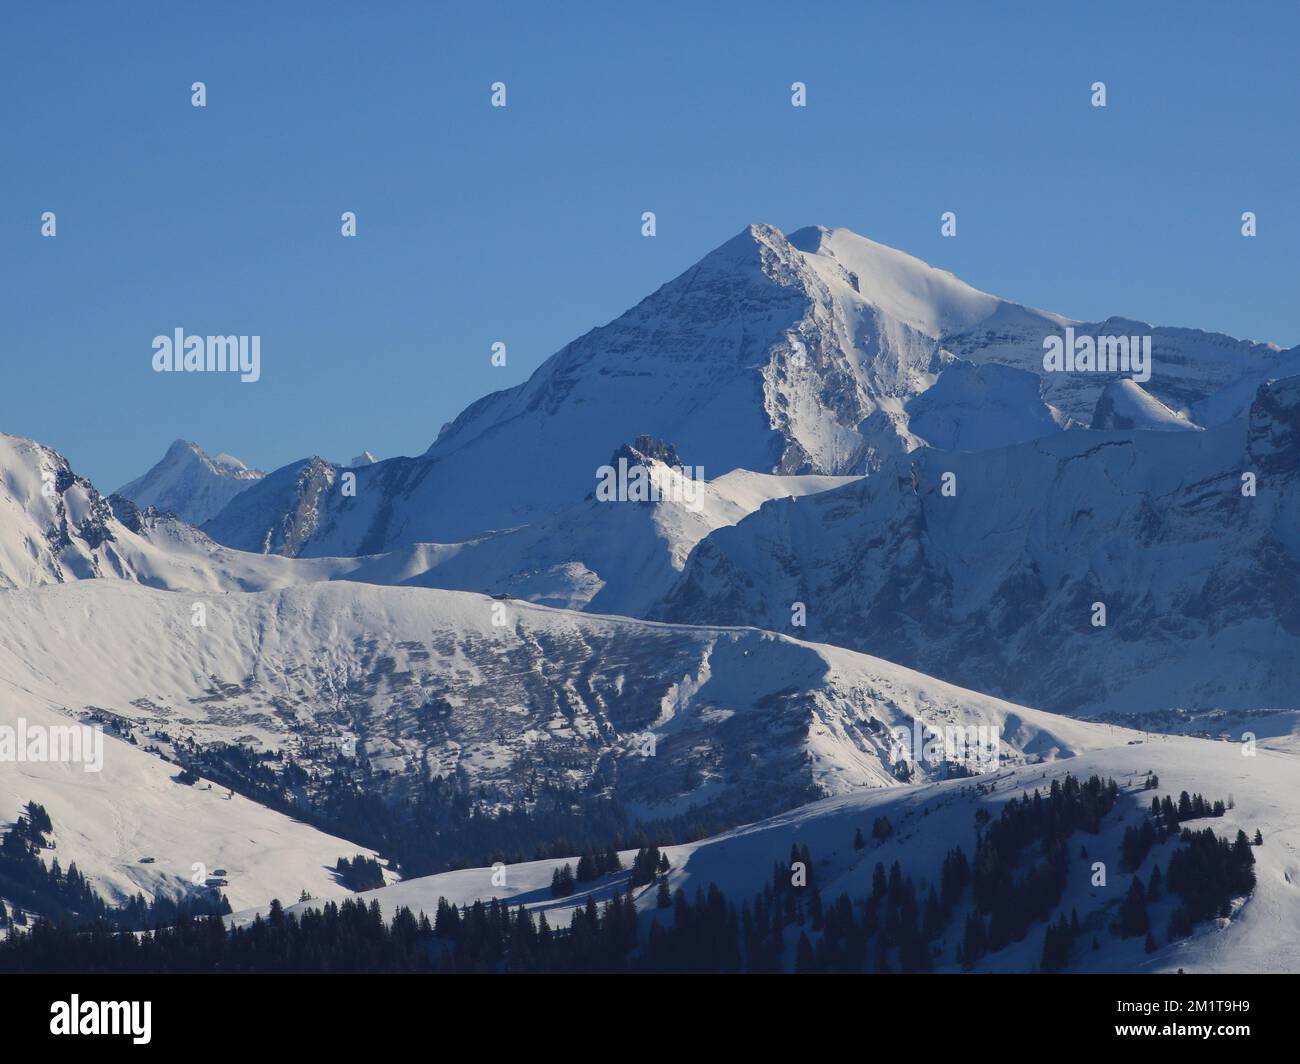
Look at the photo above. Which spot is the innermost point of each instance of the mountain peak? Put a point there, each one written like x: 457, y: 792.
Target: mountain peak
x: 229, y: 461
x: 806, y: 353
x: 180, y: 447
x: 759, y: 247
x: 190, y: 483
x: 935, y: 302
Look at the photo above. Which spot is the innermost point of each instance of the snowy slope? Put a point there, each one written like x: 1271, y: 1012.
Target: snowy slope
x: 980, y: 407
x: 190, y: 483
x: 107, y: 821
x: 607, y: 557
x: 993, y: 587
x: 933, y: 302
x: 742, y: 719
x: 1124, y: 405
x: 1263, y: 935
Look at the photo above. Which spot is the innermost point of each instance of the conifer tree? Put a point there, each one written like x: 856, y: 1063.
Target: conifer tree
x: 663, y: 897
x: 1133, y: 912
x: 804, y: 961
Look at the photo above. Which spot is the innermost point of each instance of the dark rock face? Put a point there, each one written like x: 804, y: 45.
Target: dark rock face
x: 1273, y: 439
x: 647, y: 448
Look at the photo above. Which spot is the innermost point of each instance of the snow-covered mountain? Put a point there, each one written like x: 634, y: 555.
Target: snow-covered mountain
x: 190, y: 483
x: 985, y: 567
x: 55, y: 527
x: 839, y: 349
x: 606, y: 556
x: 426, y: 680
x: 282, y: 513
x: 603, y: 556
x: 817, y: 353
x: 1210, y: 375
x: 883, y: 457
x: 771, y: 354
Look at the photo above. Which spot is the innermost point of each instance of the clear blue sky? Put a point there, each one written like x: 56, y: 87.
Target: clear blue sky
x: 522, y: 224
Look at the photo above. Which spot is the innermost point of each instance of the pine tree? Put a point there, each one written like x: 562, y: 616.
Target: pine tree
x: 804, y: 961
x: 1133, y: 912
x: 932, y: 923
x: 974, y: 942
x: 858, y: 841
x: 562, y: 881
x: 664, y: 897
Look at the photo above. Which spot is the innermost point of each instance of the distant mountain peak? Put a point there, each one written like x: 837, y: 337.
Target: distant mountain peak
x: 229, y: 461
x: 191, y: 483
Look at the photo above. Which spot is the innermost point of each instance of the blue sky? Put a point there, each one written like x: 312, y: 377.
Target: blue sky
x: 523, y: 224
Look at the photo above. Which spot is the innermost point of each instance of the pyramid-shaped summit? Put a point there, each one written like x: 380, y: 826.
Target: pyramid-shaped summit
x: 813, y: 353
